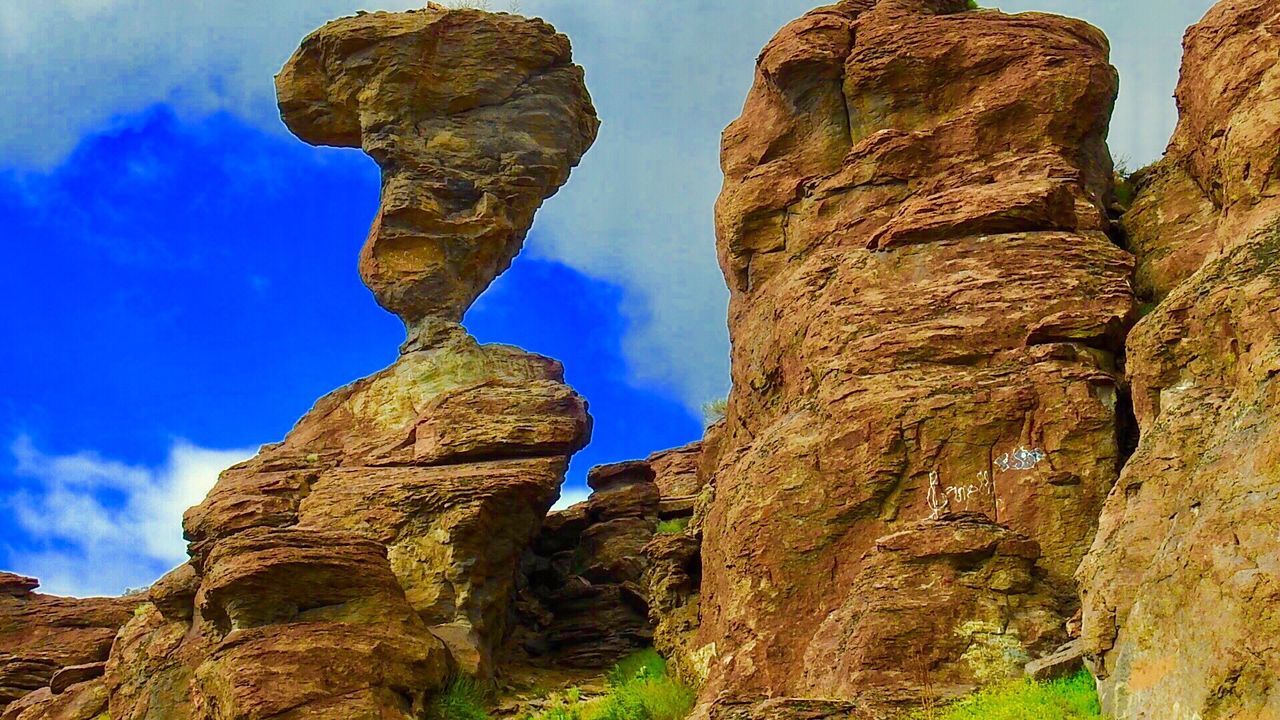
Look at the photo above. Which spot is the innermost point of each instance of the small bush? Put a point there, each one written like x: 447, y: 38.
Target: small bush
x: 673, y: 527
x: 639, y: 689
x: 714, y: 410
x: 973, y: 4
x: 1075, y: 698
x: 461, y: 699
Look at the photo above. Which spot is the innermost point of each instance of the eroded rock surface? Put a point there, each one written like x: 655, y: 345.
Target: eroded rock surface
x: 1181, y: 587
x: 349, y: 570
x: 40, y: 635
x: 926, y: 313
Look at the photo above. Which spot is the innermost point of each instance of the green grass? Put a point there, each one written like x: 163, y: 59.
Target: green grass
x: 673, y: 527
x: 639, y: 689
x: 1074, y: 698
x: 461, y: 699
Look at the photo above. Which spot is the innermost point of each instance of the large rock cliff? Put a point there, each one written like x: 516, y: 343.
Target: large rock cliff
x: 1181, y: 587
x: 926, y: 315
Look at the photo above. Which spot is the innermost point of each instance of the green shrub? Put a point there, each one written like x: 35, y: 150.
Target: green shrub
x: 461, y: 699
x: 714, y: 410
x: 1074, y: 698
x: 640, y: 665
x: 639, y: 689
x: 673, y: 527
x: 973, y: 4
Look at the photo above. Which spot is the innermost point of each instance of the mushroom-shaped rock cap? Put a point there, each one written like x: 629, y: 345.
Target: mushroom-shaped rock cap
x: 475, y: 118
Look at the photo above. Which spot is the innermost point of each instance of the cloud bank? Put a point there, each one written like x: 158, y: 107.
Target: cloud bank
x: 666, y: 78
x: 103, y: 526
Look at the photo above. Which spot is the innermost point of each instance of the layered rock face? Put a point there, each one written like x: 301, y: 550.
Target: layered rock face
x: 43, y: 638
x: 1181, y: 589
x: 348, y: 570
x: 600, y: 576
x: 926, y: 315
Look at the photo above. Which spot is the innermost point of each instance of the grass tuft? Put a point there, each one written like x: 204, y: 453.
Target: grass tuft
x: 461, y: 699
x: 639, y: 689
x: 1074, y: 698
x: 673, y: 527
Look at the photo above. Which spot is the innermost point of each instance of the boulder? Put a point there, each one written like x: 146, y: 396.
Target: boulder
x: 1181, y: 588
x: 350, y: 569
x: 1063, y: 663
x: 926, y: 312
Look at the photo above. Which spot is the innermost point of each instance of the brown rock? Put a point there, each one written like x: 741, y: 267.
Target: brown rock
x: 676, y: 470
x: 74, y: 675
x: 603, y: 477
x: 17, y: 585
x: 925, y: 313
x: 41, y: 634
x: 1180, y: 586
x: 431, y: 95
x: 1063, y: 663
x: 84, y: 701
x: 346, y: 571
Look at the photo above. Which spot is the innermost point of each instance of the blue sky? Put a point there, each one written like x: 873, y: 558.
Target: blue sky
x: 180, y: 282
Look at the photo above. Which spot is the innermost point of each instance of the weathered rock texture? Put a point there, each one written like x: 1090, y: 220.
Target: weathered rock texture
x: 1181, y: 587
x: 41, y: 635
x: 588, y: 579
x: 926, y: 312
x: 347, y: 571
x: 471, y: 136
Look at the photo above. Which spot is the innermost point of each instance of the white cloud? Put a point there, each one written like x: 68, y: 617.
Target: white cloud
x: 102, y: 525
x: 666, y: 78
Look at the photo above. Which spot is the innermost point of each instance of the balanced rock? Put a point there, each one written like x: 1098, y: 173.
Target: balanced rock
x: 926, y: 311
x: 471, y: 137
x: 350, y: 569
x: 1180, y: 588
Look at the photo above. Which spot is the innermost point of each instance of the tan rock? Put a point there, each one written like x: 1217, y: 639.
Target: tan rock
x: 925, y: 314
x: 433, y: 96
x: 84, y: 701
x: 346, y: 571
x: 1180, y: 588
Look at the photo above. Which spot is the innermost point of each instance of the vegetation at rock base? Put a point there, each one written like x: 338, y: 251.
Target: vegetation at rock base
x: 1074, y: 698
x: 973, y: 4
x: 462, y: 699
x: 673, y: 527
x: 639, y: 689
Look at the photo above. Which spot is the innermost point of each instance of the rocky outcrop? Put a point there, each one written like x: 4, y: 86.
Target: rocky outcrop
x: 601, y: 577
x: 350, y: 569
x: 1180, y: 588
x: 41, y: 636
x: 926, y: 314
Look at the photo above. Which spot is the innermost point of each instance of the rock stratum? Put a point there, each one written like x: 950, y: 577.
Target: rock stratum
x: 988, y: 417
x: 1181, y: 587
x: 927, y: 316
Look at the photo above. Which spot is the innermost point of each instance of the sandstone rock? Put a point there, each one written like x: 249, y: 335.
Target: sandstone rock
x: 1180, y: 587
x: 676, y: 470
x: 41, y: 634
x: 74, y: 675
x: 1063, y: 663
x: 346, y: 571
x: 926, y: 310
x: 433, y: 96
x: 84, y: 701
